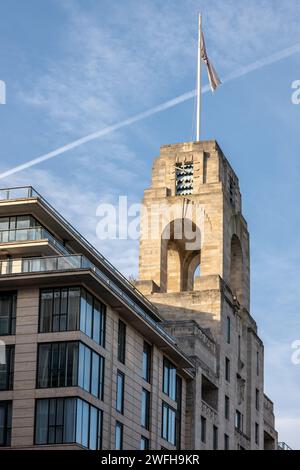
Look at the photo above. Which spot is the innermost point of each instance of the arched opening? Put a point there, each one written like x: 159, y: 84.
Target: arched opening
x: 236, y: 267
x: 180, y: 256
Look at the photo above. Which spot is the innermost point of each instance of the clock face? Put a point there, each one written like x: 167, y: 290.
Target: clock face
x: 184, y: 178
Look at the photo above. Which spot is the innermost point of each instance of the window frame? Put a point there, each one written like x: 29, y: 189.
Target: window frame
x: 8, y: 368
x: 7, y: 426
x: 145, y: 412
x: 169, y: 388
x: 147, y: 358
x: 12, y: 315
x: 121, y: 399
x: 122, y: 333
x: 76, y: 400
x: 119, y: 426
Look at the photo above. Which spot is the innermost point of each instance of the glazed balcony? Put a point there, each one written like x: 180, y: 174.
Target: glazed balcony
x: 25, y: 240
x: 25, y: 200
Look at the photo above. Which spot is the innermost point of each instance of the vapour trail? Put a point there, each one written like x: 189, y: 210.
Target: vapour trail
x: 155, y: 110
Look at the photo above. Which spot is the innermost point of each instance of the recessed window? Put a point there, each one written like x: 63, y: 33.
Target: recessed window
x: 5, y: 423
x: 8, y: 306
x: 215, y: 438
x: 169, y: 379
x: 257, y: 363
x: 168, y: 424
x: 257, y: 399
x: 239, y: 421
x: 228, y: 330
x: 66, y: 421
x: 121, y: 342
x: 146, y: 366
x: 203, y: 429
x: 227, y: 369
x: 7, y: 369
x: 256, y: 433
x: 119, y: 436
x: 145, y: 443
x: 226, y: 442
x: 120, y: 392
x: 145, y: 413
x: 227, y: 407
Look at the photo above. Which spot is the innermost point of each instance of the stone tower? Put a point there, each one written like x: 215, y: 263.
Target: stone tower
x: 195, y: 266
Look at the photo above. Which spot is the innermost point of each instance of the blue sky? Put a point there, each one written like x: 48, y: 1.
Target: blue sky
x: 73, y: 67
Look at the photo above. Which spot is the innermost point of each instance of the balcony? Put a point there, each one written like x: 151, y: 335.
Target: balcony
x: 13, y: 238
x: 28, y: 200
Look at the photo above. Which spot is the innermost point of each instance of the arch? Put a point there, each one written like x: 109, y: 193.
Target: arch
x: 180, y: 255
x: 236, y: 267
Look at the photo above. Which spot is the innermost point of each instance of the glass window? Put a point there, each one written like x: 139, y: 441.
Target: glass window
x: 257, y: 363
x: 8, y: 303
x: 239, y: 420
x: 68, y: 364
x: 145, y: 443
x: 168, y: 424
x: 257, y: 399
x: 5, y: 423
x: 70, y: 309
x: 121, y: 342
x: 215, y: 438
x: 228, y: 330
x: 203, y: 429
x: 256, y: 433
x: 7, y: 369
x: 227, y: 405
x: 68, y: 420
x: 119, y: 436
x: 227, y: 369
x: 146, y: 366
x: 120, y: 392
x: 145, y: 415
x: 226, y: 442
x: 169, y: 379
x: 57, y: 365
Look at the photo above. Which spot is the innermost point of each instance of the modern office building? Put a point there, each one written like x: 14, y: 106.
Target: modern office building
x: 93, y: 362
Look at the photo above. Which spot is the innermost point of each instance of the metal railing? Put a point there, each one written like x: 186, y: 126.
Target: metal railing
x: 31, y: 234
x: 70, y: 263
x: 28, y: 192
x: 284, y: 446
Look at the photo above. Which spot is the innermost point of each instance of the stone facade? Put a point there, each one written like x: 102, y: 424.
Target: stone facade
x: 208, y: 314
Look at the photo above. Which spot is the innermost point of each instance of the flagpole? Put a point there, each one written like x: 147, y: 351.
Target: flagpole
x: 199, y: 80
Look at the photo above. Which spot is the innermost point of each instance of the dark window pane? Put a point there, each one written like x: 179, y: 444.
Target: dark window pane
x: 146, y: 366
x: 5, y: 423
x: 46, y: 308
x: 121, y: 342
x: 8, y: 314
x: 145, y: 414
x: 7, y: 369
x: 73, y: 308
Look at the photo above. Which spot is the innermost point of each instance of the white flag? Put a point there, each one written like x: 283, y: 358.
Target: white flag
x: 212, y: 74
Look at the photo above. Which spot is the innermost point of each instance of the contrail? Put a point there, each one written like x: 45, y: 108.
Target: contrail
x: 157, y: 109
